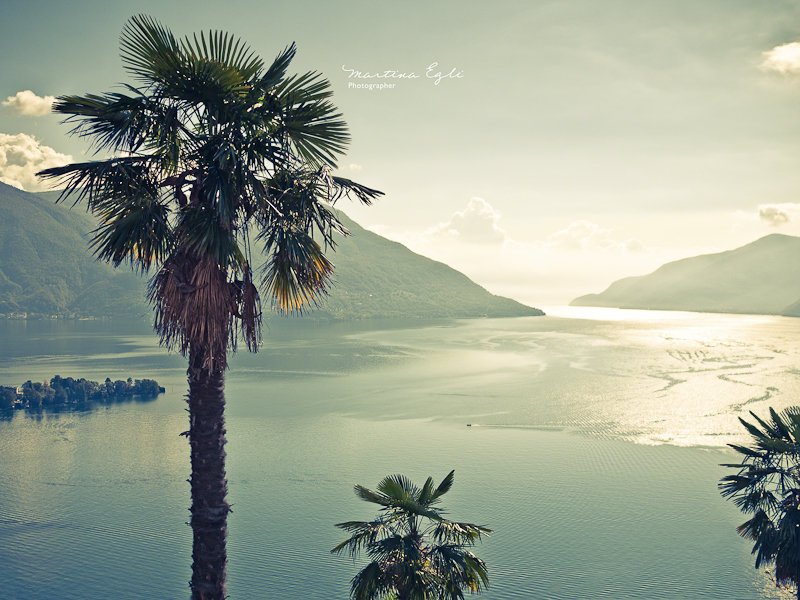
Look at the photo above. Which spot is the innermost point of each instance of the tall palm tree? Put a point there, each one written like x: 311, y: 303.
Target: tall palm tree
x: 416, y: 553
x: 212, y: 153
x: 768, y: 487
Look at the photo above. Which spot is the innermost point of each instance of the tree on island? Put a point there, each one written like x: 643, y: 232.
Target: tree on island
x: 214, y: 152
x: 767, y: 486
x: 416, y: 553
x: 8, y: 398
x: 60, y: 391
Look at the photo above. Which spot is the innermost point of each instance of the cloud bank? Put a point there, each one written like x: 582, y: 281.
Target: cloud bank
x: 585, y: 235
x: 784, y: 59
x: 479, y: 224
x: 581, y: 258
x: 21, y: 156
x: 28, y: 104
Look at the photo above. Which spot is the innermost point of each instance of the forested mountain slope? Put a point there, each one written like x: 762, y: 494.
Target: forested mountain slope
x: 46, y: 268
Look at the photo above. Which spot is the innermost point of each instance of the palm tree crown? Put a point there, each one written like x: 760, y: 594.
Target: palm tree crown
x: 211, y: 153
x: 767, y: 486
x: 416, y: 553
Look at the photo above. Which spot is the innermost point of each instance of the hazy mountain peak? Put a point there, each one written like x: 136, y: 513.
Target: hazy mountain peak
x: 762, y: 277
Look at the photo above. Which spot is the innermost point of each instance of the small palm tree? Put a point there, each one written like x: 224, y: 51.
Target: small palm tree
x: 767, y: 486
x: 416, y: 553
x: 214, y: 152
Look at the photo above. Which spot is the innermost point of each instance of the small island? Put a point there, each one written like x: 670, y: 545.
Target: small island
x: 66, y: 391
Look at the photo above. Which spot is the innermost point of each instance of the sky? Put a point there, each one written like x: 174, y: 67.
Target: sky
x: 544, y: 148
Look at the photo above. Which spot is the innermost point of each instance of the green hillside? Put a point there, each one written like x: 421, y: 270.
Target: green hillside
x: 762, y: 277
x: 47, y: 269
x: 376, y: 277
x: 45, y: 263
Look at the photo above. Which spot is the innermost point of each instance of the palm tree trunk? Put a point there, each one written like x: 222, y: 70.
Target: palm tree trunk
x: 209, y: 486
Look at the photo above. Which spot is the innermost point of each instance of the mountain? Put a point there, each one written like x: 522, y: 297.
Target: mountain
x: 45, y: 263
x: 46, y: 268
x: 762, y: 277
x: 376, y: 277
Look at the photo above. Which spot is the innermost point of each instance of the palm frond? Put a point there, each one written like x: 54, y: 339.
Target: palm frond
x: 776, y: 445
x: 780, y: 426
x: 467, y: 534
x: 364, y: 533
x: 277, y: 70
x: 113, y: 121
x: 769, y: 429
x: 370, y: 583
x: 223, y: 51
x: 426, y: 493
x: 309, y: 122
x: 346, y: 187
x: 371, y: 496
x: 764, y: 534
x: 105, y: 184
x: 749, y: 452
x: 455, y: 565
x: 445, y: 485
x: 298, y: 273
x: 203, y: 233
x: 404, y: 496
x: 149, y: 50
x: 399, y: 488
x: 792, y: 414
x: 392, y: 548
x: 295, y: 198
x: 138, y: 232
x: 206, y: 69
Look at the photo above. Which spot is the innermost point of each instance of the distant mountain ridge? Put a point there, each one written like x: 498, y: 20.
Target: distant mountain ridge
x: 762, y: 277
x: 45, y: 262
x: 46, y: 268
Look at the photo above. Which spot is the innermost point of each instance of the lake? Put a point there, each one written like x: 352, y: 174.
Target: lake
x: 589, y: 440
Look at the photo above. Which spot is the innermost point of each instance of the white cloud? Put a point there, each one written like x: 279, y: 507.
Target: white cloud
x: 784, y: 59
x: 21, y: 156
x: 584, y: 235
x: 354, y: 167
x: 477, y: 224
x: 29, y: 104
x: 786, y: 215
x: 774, y: 216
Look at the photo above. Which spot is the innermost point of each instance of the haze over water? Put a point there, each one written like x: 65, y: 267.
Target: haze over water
x: 592, y: 450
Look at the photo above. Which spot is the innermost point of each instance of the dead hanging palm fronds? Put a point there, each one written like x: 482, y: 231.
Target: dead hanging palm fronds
x: 194, y: 306
x: 248, y: 310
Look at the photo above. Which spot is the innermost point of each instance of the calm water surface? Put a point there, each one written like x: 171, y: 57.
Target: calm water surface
x: 593, y: 450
